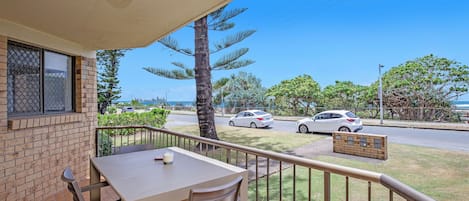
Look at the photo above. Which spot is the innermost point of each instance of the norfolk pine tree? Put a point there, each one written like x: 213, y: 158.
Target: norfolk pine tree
x: 217, y: 21
x: 108, y: 83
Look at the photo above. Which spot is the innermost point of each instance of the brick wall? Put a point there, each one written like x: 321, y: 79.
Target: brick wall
x: 35, y: 150
x: 361, y: 144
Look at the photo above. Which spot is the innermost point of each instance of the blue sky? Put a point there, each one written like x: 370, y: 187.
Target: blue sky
x: 327, y: 39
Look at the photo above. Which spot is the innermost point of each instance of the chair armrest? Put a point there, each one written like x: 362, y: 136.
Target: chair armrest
x: 93, y: 186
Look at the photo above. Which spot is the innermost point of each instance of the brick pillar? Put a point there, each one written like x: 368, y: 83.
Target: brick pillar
x: 4, y: 136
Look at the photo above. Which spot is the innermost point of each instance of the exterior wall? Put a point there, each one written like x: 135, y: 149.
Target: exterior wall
x: 361, y: 148
x: 35, y: 150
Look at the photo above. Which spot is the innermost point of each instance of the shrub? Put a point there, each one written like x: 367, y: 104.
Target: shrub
x: 155, y: 118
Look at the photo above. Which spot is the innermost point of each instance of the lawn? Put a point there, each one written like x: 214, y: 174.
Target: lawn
x: 443, y: 175
x: 260, y: 138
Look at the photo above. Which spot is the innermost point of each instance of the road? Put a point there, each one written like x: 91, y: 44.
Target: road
x: 441, y: 139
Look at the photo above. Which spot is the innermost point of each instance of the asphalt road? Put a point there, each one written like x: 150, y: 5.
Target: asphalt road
x: 441, y: 139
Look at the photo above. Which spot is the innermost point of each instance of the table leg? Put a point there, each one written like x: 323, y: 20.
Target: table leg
x: 95, y: 194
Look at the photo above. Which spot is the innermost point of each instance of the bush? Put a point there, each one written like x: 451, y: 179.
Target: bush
x: 155, y: 118
x: 112, y: 110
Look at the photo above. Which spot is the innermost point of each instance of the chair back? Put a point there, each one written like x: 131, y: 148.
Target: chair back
x: 226, y: 192
x: 132, y: 148
x: 72, y: 185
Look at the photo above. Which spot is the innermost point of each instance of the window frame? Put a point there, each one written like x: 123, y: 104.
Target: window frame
x: 42, y: 67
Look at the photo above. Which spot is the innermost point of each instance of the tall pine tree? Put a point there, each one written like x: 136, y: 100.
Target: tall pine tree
x: 217, y: 21
x: 108, y: 83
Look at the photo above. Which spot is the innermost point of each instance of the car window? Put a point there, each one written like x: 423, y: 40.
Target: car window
x: 260, y: 112
x: 248, y: 114
x: 323, y: 116
x: 335, y: 116
x: 351, y: 115
x: 241, y: 114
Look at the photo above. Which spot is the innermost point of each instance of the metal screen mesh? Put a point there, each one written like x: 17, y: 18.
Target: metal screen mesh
x: 54, y: 90
x: 24, y: 80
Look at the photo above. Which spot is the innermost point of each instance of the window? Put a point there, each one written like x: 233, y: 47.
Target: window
x: 363, y: 142
x: 323, y: 116
x: 39, y: 81
x: 351, y: 115
x: 335, y: 116
x: 350, y: 140
x: 260, y: 113
x: 377, y: 143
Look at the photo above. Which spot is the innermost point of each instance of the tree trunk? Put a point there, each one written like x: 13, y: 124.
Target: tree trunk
x: 205, y: 112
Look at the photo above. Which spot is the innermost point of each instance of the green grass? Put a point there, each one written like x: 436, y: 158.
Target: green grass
x: 443, y: 175
x: 259, y: 138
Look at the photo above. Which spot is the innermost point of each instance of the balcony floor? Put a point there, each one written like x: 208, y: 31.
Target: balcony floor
x: 107, y: 194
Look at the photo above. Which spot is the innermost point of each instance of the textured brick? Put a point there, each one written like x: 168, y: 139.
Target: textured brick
x: 360, y: 144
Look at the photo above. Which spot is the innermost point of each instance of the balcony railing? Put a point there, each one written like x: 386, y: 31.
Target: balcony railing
x: 272, y: 176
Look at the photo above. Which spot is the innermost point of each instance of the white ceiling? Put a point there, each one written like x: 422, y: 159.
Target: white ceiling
x: 107, y: 24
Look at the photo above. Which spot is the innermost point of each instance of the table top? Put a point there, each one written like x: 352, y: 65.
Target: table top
x: 137, y: 176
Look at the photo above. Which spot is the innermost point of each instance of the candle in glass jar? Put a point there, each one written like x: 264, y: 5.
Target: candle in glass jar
x: 168, y: 158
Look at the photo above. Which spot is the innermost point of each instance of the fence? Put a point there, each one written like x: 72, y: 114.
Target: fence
x: 272, y: 176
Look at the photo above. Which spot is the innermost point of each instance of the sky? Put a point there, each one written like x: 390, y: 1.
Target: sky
x: 330, y: 40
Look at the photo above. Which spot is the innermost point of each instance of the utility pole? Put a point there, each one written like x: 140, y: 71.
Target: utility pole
x: 380, y: 94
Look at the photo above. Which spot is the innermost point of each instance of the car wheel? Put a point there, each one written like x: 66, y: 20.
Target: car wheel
x: 344, y: 129
x: 303, y: 129
x: 231, y: 123
x: 253, y: 125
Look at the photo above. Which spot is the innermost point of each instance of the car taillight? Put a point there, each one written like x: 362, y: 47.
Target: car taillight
x: 260, y: 118
x: 350, y: 120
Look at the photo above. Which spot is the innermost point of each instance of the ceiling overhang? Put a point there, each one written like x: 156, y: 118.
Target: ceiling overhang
x: 107, y: 24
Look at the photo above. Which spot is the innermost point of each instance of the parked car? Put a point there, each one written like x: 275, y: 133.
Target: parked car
x: 330, y: 121
x: 128, y: 109
x: 252, y: 119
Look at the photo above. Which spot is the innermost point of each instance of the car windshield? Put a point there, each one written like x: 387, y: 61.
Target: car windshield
x: 260, y: 112
x: 351, y: 115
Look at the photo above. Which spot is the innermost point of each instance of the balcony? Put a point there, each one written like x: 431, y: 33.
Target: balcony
x: 272, y: 176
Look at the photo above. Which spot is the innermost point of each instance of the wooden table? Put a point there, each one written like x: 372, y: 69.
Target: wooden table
x: 137, y: 176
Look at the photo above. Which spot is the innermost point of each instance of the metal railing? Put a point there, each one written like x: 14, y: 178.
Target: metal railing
x: 272, y: 176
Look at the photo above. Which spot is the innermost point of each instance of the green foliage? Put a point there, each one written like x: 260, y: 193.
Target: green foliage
x: 135, y: 102
x: 108, y: 83
x: 156, y: 118
x: 243, y: 90
x: 344, y: 95
x: 218, y: 21
x: 297, y: 94
x: 112, y: 110
x: 422, y: 89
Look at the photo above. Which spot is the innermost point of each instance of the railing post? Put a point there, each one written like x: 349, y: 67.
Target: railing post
x: 327, y: 186
x: 228, y: 156
x: 96, y: 141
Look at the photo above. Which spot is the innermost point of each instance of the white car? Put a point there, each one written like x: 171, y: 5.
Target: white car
x: 330, y: 121
x: 252, y: 119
